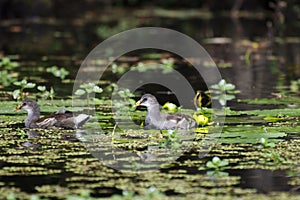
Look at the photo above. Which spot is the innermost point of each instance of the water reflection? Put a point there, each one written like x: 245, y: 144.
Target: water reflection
x: 264, y: 181
x: 131, y: 151
x: 268, y: 64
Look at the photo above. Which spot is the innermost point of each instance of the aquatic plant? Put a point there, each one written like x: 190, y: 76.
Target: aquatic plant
x: 104, y: 31
x: 202, y: 99
x: 247, y: 56
x: 22, y: 133
x: 223, y: 92
x: 203, y: 114
x: 58, y: 72
x: 125, y: 95
x: 11, y: 196
x: 171, y: 107
x: 201, y: 119
x: 146, y: 194
x: 44, y: 93
x: 87, y: 89
x: 266, y: 144
x: 117, y: 69
x: 277, y: 158
x: 171, y: 140
x: 19, y: 93
x: 84, y: 195
x: 7, y: 77
x: 216, y: 166
x: 127, y: 195
x: 295, y: 86
x: 179, y: 176
x: 166, y: 65
x: 7, y: 64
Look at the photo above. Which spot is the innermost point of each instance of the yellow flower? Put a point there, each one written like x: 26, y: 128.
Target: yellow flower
x: 170, y: 107
x: 201, y: 130
x: 200, y: 119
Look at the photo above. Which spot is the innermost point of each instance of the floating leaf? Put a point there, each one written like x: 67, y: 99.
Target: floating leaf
x: 79, y: 92
x: 97, y: 89
x: 30, y: 85
x: 210, y: 164
x: 16, y: 94
x: 41, y: 88
x: 229, y: 86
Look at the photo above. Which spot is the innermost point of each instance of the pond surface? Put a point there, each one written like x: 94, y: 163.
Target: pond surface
x: 61, y: 163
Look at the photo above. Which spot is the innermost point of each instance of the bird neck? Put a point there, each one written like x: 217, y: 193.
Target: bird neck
x: 32, y: 115
x: 154, y: 111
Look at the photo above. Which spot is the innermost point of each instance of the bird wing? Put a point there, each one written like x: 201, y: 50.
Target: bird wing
x: 59, y: 119
x: 46, y: 121
x: 181, y: 121
x: 175, y: 117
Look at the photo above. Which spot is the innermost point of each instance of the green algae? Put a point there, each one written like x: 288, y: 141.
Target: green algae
x: 59, y: 152
x: 273, y: 101
x: 283, y: 112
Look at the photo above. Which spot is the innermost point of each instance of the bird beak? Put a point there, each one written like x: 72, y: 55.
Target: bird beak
x: 19, y: 107
x: 138, y: 103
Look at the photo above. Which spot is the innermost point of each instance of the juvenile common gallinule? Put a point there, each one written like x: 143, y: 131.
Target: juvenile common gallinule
x: 62, y: 118
x: 162, y: 121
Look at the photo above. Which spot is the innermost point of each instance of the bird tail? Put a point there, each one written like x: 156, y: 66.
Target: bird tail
x: 81, y: 119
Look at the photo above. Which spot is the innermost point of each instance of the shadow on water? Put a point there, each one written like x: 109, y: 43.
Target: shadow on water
x: 264, y: 181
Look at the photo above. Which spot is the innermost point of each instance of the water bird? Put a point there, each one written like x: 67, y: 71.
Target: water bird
x: 61, y: 119
x: 163, y: 121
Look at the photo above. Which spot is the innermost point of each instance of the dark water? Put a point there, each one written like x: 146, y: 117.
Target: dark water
x: 65, y: 42
x: 264, y: 181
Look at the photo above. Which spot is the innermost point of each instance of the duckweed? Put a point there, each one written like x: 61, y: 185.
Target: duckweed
x: 59, y: 153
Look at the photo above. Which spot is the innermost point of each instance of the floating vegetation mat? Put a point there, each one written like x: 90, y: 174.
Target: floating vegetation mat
x: 256, y: 156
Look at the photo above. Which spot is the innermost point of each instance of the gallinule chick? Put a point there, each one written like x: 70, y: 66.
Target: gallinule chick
x: 62, y: 118
x: 162, y: 121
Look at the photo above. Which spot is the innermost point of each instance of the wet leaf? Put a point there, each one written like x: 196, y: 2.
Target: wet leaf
x: 79, y: 92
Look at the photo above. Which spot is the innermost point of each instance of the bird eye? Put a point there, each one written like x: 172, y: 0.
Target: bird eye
x: 24, y: 104
x: 145, y: 99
